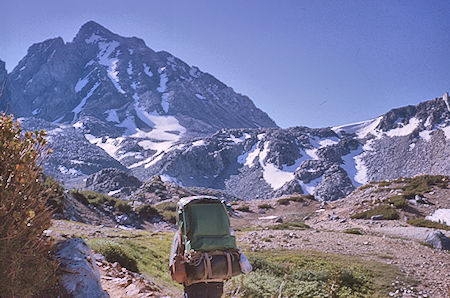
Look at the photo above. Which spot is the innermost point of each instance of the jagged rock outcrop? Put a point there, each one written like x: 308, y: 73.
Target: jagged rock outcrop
x: 113, y: 182
x: 78, y: 273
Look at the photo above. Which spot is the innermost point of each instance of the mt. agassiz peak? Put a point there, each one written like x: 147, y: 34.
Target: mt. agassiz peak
x: 111, y: 101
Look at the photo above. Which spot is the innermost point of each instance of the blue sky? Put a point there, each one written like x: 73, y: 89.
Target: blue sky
x: 313, y: 63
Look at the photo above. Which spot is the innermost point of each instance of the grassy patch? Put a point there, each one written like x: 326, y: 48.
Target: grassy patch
x: 243, y: 208
x: 265, y: 206
x: 286, y: 201
x: 312, y: 274
x: 115, y: 252
x: 387, y: 211
x: 88, y: 197
x: 422, y: 222
x: 399, y: 201
x: 150, y: 252
x: 421, y: 184
x: 365, y: 186
x: 354, y: 231
x: 296, y: 225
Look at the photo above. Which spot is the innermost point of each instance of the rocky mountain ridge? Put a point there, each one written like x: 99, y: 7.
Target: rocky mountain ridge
x: 108, y: 101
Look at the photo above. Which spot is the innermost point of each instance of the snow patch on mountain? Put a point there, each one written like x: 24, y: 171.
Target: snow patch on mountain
x: 310, y: 187
x: 164, y: 102
x: 440, y: 215
x: 105, y: 59
x: 199, y: 96
x: 361, y: 129
x: 80, y: 106
x: 147, y: 70
x: 404, y: 130
x: 354, y: 165
x: 112, y: 116
x: 81, y: 83
x: 163, y: 79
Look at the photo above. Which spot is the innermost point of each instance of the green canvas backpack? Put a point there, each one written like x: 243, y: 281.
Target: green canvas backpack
x: 204, y: 224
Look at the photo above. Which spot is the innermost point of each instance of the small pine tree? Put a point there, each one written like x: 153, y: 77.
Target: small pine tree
x: 26, y: 268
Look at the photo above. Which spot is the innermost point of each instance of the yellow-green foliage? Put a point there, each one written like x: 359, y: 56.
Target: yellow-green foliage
x: 167, y: 210
x: 312, y: 274
x: 387, y: 211
x: 97, y: 199
x: 422, y: 222
x: 354, y: 231
x: 150, y: 252
x: 399, y: 201
x: 115, y: 252
x: 296, y: 198
x: 296, y: 225
x: 25, y: 267
x: 243, y: 208
x: 264, y: 206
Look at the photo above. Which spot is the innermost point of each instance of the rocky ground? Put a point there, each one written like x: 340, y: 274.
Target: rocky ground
x: 330, y: 229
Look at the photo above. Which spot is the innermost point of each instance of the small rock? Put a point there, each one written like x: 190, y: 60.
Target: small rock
x: 132, y: 290
x: 279, y: 220
x: 377, y: 217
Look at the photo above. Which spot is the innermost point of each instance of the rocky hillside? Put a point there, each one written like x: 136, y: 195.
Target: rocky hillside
x: 329, y: 163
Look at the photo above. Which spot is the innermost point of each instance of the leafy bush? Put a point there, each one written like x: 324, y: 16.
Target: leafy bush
x: 265, y: 206
x: 115, y: 252
x: 422, y: 222
x: 25, y: 265
x: 387, y: 211
x: 55, y: 198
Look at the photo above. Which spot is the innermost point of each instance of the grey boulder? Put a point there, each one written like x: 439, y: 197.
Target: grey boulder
x: 438, y: 240
x: 77, y: 272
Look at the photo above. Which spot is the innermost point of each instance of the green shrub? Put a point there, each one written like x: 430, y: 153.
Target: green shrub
x: 115, y: 252
x: 399, y: 201
x: 167, y: 210
x: 146, y: 211
x: 89, y: 197
x: 265, y: 206
x: 422, y: 222
x: 296, y: 225
x: 243, y: 208
x: 286, y: 201
x: 387, y: 211
x: 355, y: 231
x: 422, y: 184
x: 122, y: 206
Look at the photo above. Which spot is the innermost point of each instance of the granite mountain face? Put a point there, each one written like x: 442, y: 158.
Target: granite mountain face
x: 112, y: 102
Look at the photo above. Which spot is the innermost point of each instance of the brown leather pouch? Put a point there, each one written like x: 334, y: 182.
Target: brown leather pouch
x: 178, y: 272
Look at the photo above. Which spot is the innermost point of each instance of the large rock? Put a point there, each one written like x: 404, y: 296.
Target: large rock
x: 438, y: 240
x: 78, y: 274
x: 113, y: 181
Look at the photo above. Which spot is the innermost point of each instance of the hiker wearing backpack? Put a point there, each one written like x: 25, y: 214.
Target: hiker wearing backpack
x: 204, y: 251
